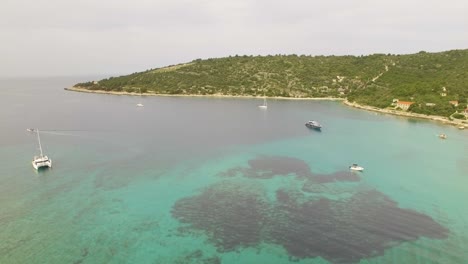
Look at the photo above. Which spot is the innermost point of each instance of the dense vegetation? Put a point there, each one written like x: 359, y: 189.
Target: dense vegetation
x: 371, y: 80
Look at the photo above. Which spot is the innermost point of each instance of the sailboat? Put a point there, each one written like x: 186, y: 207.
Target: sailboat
x: 264, y: 105
x: 41, y: 161
x: 140, y: 104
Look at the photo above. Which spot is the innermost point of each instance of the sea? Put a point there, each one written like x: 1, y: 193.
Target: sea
x: 218, y: 180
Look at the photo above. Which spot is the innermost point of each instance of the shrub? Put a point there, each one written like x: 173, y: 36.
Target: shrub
x: 129, y: 89
x: 458, y: 116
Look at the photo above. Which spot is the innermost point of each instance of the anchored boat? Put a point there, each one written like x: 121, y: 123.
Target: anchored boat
x: 355, y: 167
x: 313, y: 124
x: 41, y: 160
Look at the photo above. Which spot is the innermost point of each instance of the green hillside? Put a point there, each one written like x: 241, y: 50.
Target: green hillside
x: 371, y: 80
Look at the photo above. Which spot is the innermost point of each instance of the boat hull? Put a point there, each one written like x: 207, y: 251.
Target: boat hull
x: 356, y: 168
x: 41, y: 163
x: 313, y: 127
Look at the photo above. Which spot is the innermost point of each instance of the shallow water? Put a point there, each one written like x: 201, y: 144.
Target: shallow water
x: 207, y: 180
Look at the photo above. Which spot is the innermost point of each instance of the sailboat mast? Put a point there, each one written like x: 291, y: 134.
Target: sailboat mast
x: 39, y: 139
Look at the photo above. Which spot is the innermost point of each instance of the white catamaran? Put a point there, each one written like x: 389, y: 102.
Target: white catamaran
x: 41, y: 161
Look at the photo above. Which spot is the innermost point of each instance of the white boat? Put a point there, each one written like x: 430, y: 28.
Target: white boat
x: 443, y: 136
x: 41, y: 161
x: 355, y: 167
x: 140, y: 104
x: 313, y: 124
x: 264, y: 105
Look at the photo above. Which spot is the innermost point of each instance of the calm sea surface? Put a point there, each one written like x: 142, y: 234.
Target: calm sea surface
x: 208, y: 180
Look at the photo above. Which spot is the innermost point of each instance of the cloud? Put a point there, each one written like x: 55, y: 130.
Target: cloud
x: 52, y: 37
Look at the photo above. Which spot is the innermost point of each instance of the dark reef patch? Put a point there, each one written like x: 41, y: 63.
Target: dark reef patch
x: 337, y: 176
x: 346, y: 231
x: 361, y: 224
x: 231, y: 214
x: 197, y: 257
x: 316, y: 183
x: 84, y: 254
x: 266, y: 167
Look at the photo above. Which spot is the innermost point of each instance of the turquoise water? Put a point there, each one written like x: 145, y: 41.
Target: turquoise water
x: 204, y: 180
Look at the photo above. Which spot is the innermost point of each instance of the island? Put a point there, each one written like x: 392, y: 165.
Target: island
x: 422, y: 85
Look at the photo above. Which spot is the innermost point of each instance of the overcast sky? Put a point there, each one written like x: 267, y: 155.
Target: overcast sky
x: 94, y: 37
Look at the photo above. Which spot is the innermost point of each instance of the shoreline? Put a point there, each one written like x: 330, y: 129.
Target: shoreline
x: 78, y: 89
x: 442, y: 119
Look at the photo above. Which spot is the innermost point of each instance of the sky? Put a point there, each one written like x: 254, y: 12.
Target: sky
x: 43, y: 38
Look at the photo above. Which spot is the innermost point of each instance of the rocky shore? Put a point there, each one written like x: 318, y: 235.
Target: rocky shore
x: 445, y: 120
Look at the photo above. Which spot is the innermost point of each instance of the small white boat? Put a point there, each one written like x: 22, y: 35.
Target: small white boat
x: 140, y: 104
x: 30, y: 129
x: 264, y: 105
x: 41, y: 160
x: 355, y: 167
x: 443, y: 136
x: 461, y: 127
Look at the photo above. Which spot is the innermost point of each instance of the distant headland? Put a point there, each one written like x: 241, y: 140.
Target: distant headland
x: 419, y: 85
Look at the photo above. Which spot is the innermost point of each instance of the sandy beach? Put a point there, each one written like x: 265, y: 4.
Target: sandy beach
x: 84, y: 90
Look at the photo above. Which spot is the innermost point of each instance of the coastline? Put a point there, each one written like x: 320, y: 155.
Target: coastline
x: 83, y: 90
x: 441, y: 119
